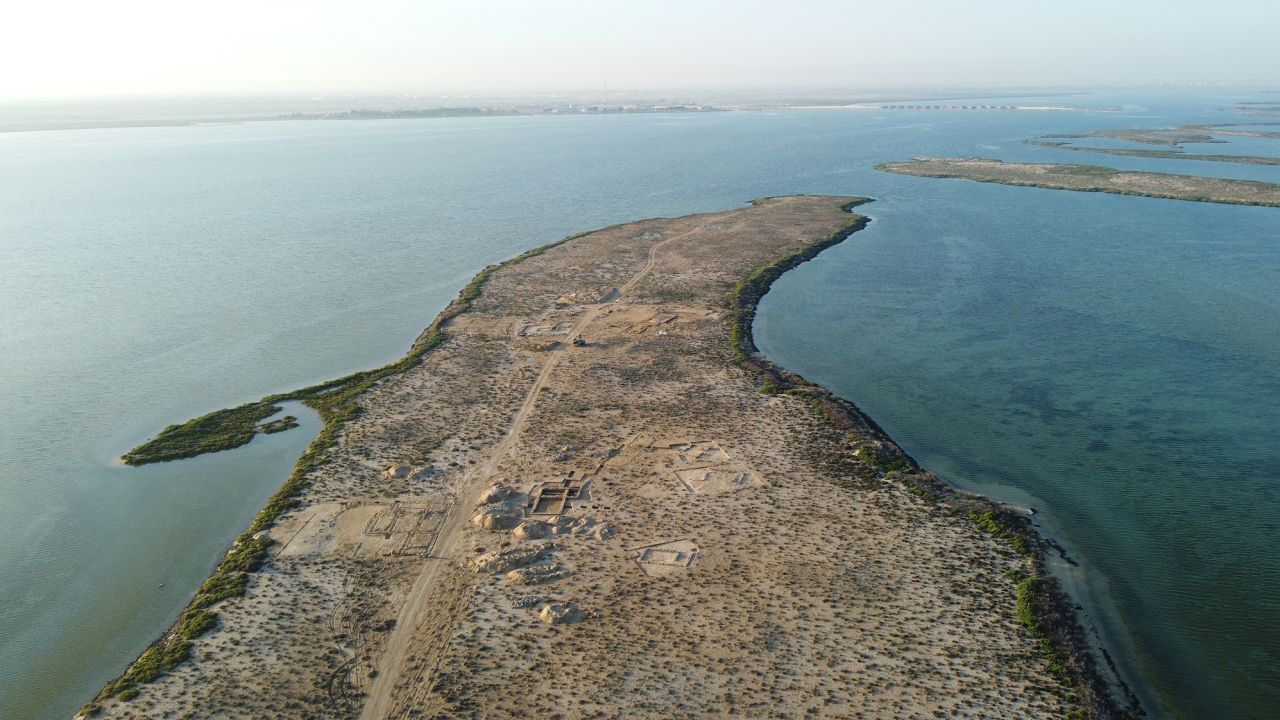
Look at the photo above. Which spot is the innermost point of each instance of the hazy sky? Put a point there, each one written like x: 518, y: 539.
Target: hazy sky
x: 52, y: 48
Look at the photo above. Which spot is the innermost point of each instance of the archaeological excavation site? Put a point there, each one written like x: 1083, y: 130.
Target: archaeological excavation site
x: 653, y: 522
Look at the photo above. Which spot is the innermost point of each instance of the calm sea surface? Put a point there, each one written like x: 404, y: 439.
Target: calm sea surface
x: 1112, y: 361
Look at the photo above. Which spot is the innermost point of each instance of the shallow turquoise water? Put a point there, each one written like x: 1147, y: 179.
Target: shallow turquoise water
x: 1130, y: 388
x: 1111, y: 359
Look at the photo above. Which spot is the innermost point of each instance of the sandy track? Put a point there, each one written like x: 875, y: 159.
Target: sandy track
x: 398, y: 644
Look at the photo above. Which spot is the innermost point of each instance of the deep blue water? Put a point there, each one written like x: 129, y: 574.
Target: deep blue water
x: 1111, y: 360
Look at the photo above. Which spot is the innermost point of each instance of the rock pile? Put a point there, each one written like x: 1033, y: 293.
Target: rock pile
x: 563, y: 525
x: 559, y: 613
x: 496, y: 518
x: 499, y: 509
x: 500, y: 561
x: 531, y: 562
x: 496, y: 493
x: 403, y: 471
x: 538, y: 574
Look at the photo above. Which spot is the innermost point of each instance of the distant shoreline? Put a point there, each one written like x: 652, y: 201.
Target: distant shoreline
x: 520, y: 108
x: 1161, y: 154
x: 967, y: 107
x: 412, y: 114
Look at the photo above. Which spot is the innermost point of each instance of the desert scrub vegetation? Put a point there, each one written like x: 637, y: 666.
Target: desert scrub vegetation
x: 220, y: 586
x: 162, y: 655
x: 336, y: 403
x: 1029, y: 615
x: 1088, y: 170
x: 991, y: 523
x: 288, y: 422
x: 865, y: 463
x: 770, y: 387
x: 922, y: 493
x: 894, y: 462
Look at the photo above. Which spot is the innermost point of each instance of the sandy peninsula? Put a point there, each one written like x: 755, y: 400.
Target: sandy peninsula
x: 1094, y: 178
x: 592, y: 499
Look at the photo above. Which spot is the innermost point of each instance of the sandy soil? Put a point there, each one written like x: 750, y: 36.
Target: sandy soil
x: 663, y: 540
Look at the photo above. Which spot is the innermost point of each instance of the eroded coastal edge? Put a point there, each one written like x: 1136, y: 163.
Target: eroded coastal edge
x: 1042, y: 606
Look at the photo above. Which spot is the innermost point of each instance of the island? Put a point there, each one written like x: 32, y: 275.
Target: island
x: 1258, y: 107
x: 1162, y: 154
x: 1239, y: 130
x: 1157, y: 136
x: 584, y: 493
x: 1093, y: 178
x: 1174, y: 137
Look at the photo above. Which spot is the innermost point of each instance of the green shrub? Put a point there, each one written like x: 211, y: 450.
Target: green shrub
x: 868, y: 454
x: 219, y: 430
x: 127, y: 694
x: 920, y: 492
x: 219, y: 587
x: 746, y: 293
x: 990, y: 522
x: 335, y: 402
x: 987, y: 521
x: 195, y: 623
x: 247, y: 554
x: 158, y: 658
x: 1027, y: 596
